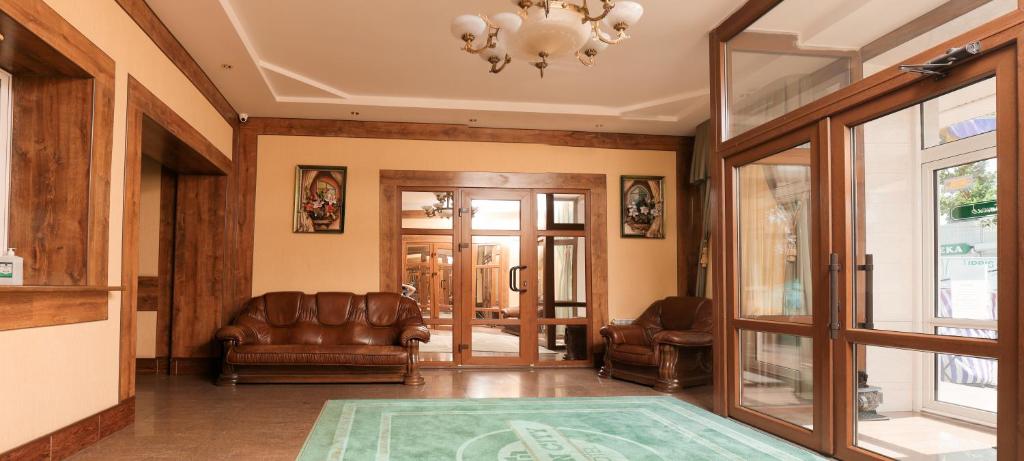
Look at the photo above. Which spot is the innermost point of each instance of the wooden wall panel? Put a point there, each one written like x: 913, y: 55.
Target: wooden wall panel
x: 148, y: 294
x: 165, y: 260
x: 199, y: 258
x: 50, y: 166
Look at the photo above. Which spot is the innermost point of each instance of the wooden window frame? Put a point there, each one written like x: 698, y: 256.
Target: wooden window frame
x: 38, y: 41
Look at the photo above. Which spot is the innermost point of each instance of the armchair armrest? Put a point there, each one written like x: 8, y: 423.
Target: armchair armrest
x: 624, y: 334
x: 683, y: 338
x: 235, y: 334
x: 414, y: 333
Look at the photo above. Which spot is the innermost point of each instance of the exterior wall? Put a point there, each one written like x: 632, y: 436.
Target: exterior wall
x: 51, y: 377
x: 639, y: 270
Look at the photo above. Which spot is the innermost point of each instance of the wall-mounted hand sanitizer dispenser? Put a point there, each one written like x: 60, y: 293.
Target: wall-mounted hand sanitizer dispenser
x: 11, y: 269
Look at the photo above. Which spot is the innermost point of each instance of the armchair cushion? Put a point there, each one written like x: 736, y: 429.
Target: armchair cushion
x: 683, y: 338
x: 625, y: 334
x: 238, y: 334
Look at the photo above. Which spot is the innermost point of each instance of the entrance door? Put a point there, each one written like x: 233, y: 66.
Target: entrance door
x: 926, y: 282
x: 777, y: 327
x: 498, y: 306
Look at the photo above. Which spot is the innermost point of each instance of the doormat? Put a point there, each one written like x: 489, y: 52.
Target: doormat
x: 576, y: 429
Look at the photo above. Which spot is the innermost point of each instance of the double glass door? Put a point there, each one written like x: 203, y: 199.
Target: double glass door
x: 871, y: 306
x: 499, y: 274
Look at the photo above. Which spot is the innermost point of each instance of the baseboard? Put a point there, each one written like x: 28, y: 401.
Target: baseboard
x: 152, y: 366
x: 206, y: 366
x: 67, y: 441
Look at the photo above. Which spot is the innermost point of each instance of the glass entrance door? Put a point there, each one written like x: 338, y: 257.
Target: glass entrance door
x: 926, y: 274
x: 777, y: 322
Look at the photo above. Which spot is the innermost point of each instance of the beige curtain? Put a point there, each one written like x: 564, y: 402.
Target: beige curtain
x: 762, y: 244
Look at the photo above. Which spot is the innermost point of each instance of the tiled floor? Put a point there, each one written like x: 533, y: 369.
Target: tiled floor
x: 188, y: 418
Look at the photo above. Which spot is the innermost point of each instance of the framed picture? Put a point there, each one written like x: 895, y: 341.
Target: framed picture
x: 320, y: 199
x: 643, y: 207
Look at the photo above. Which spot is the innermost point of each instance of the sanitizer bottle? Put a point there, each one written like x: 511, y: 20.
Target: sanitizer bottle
x: 11, y: 269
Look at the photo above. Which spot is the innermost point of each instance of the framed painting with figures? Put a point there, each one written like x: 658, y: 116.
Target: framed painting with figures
x: 643, y: 207
x: 320, y: 199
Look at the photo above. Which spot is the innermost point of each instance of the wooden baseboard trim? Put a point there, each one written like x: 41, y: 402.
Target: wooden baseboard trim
x: 206, y: 366
x: 67, y: 441
x: 152, y: 366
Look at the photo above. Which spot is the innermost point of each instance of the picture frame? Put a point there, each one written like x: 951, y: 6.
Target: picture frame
x: 642, y: 214
x: 319, y: 199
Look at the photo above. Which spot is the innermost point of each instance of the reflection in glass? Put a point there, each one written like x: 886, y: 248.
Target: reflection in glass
x: 495, y: 341
x: 896, y: 412
x: 439, y: 349
x: 800, y: 52
x: 961, y: 114
x: 562, y: 280
x: 773, y: 196
x: 777, y: 376
x: 428, y: 274
x: 427, y: 210
x: 496, y: 214
x: 562, y: 342
x: 565, y: 209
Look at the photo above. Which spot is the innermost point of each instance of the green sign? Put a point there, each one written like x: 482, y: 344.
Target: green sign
x: 954, y: 249
x: 974, y: 210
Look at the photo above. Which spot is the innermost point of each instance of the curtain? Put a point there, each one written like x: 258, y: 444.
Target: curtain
x: 699, y: 176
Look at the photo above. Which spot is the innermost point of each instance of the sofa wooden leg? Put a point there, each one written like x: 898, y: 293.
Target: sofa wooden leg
x: 227, y: 377
x: 412, y: 373
x: 606, y: 369
x: 667, y: 379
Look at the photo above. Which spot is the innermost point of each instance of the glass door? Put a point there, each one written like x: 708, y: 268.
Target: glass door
x: 926, y: 271
x: 777, y: 319
x: 499, y: 306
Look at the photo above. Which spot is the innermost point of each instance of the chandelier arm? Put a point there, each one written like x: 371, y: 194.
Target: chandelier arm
x: 492, y: 38
x: 607, y: 5
x: 619, y: 37
x: 586, y: 59
x: 495, y: 68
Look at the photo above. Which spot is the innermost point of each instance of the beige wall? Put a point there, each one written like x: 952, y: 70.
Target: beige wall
x: 639, y: 270
x: 53, y: 376
x: 149, y: 251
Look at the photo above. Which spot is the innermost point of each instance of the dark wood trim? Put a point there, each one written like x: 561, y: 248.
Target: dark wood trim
x: 165, y: 260
x: 148, y: 297
x: 742, y: 18
x: 153, y: 366
x: 75, y: 437
x: 449, y: 132
x: 206, y: 366
x: 147, y: 20
x: 28, y: 308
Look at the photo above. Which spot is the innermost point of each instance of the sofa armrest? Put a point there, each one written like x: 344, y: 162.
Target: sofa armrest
x: 625, y: 334
x: 414, y: 333
x: 683, y: 338
x: 235, y: 334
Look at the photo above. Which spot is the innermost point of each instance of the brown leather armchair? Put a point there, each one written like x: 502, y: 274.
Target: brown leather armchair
x: 668, y: 346
x: 326, y: 337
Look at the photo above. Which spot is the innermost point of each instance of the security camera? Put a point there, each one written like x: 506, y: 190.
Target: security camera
x: 243, y: 117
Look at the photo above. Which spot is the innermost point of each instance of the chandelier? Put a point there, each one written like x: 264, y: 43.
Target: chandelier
x: 444, y: 207
x: 545, y: 30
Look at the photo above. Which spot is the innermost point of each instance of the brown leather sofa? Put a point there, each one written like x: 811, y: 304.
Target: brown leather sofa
x: 668, y: 346
x: 325, y: 337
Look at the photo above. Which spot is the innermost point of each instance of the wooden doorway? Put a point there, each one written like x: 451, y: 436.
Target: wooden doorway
x: 509, y: 276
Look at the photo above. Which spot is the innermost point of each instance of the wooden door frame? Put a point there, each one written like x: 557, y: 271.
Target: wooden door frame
x: 179, y: 146
x: 392, y: 182
x: 820, y: 437
x: 1002, y: 63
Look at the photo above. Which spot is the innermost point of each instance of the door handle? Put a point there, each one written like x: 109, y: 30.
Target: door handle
x: 833, y: 281
x: 513, y: 279
x: 869, y: 291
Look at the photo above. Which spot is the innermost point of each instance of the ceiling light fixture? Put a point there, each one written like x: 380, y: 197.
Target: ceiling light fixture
x: 546, y: 30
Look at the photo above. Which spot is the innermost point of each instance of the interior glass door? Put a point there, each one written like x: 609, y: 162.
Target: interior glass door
x: 499, y: 303
x: 927, y: 270
x: 777, y: 317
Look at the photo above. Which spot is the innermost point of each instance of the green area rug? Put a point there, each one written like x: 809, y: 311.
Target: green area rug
x: 561, y: 429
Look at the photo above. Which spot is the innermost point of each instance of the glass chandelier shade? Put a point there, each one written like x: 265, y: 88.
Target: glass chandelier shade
x: 544, y: 30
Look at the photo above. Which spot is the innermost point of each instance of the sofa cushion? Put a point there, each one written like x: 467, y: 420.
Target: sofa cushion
x: 283, y: 307
x: 291, y: 354
x: 635, y: 354
x: 334, y: 308
x: 382, y: 308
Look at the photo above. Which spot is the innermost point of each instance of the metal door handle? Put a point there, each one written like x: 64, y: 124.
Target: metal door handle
x: 513, y: 279
x: 833, y: 281
x: 869, y: 291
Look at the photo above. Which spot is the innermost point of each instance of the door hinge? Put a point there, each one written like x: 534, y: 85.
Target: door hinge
x: 463, y: 347
x: 464, y: 211
x: 463, y: 246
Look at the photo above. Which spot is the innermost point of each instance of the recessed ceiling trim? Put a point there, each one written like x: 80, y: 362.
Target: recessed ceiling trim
x: 345, y: 98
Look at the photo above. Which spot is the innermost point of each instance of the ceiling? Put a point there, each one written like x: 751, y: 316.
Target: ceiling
x: 397, y: 61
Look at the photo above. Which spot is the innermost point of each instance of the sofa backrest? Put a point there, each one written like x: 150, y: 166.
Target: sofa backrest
x: 331, y: 318
x: 683, y: 313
